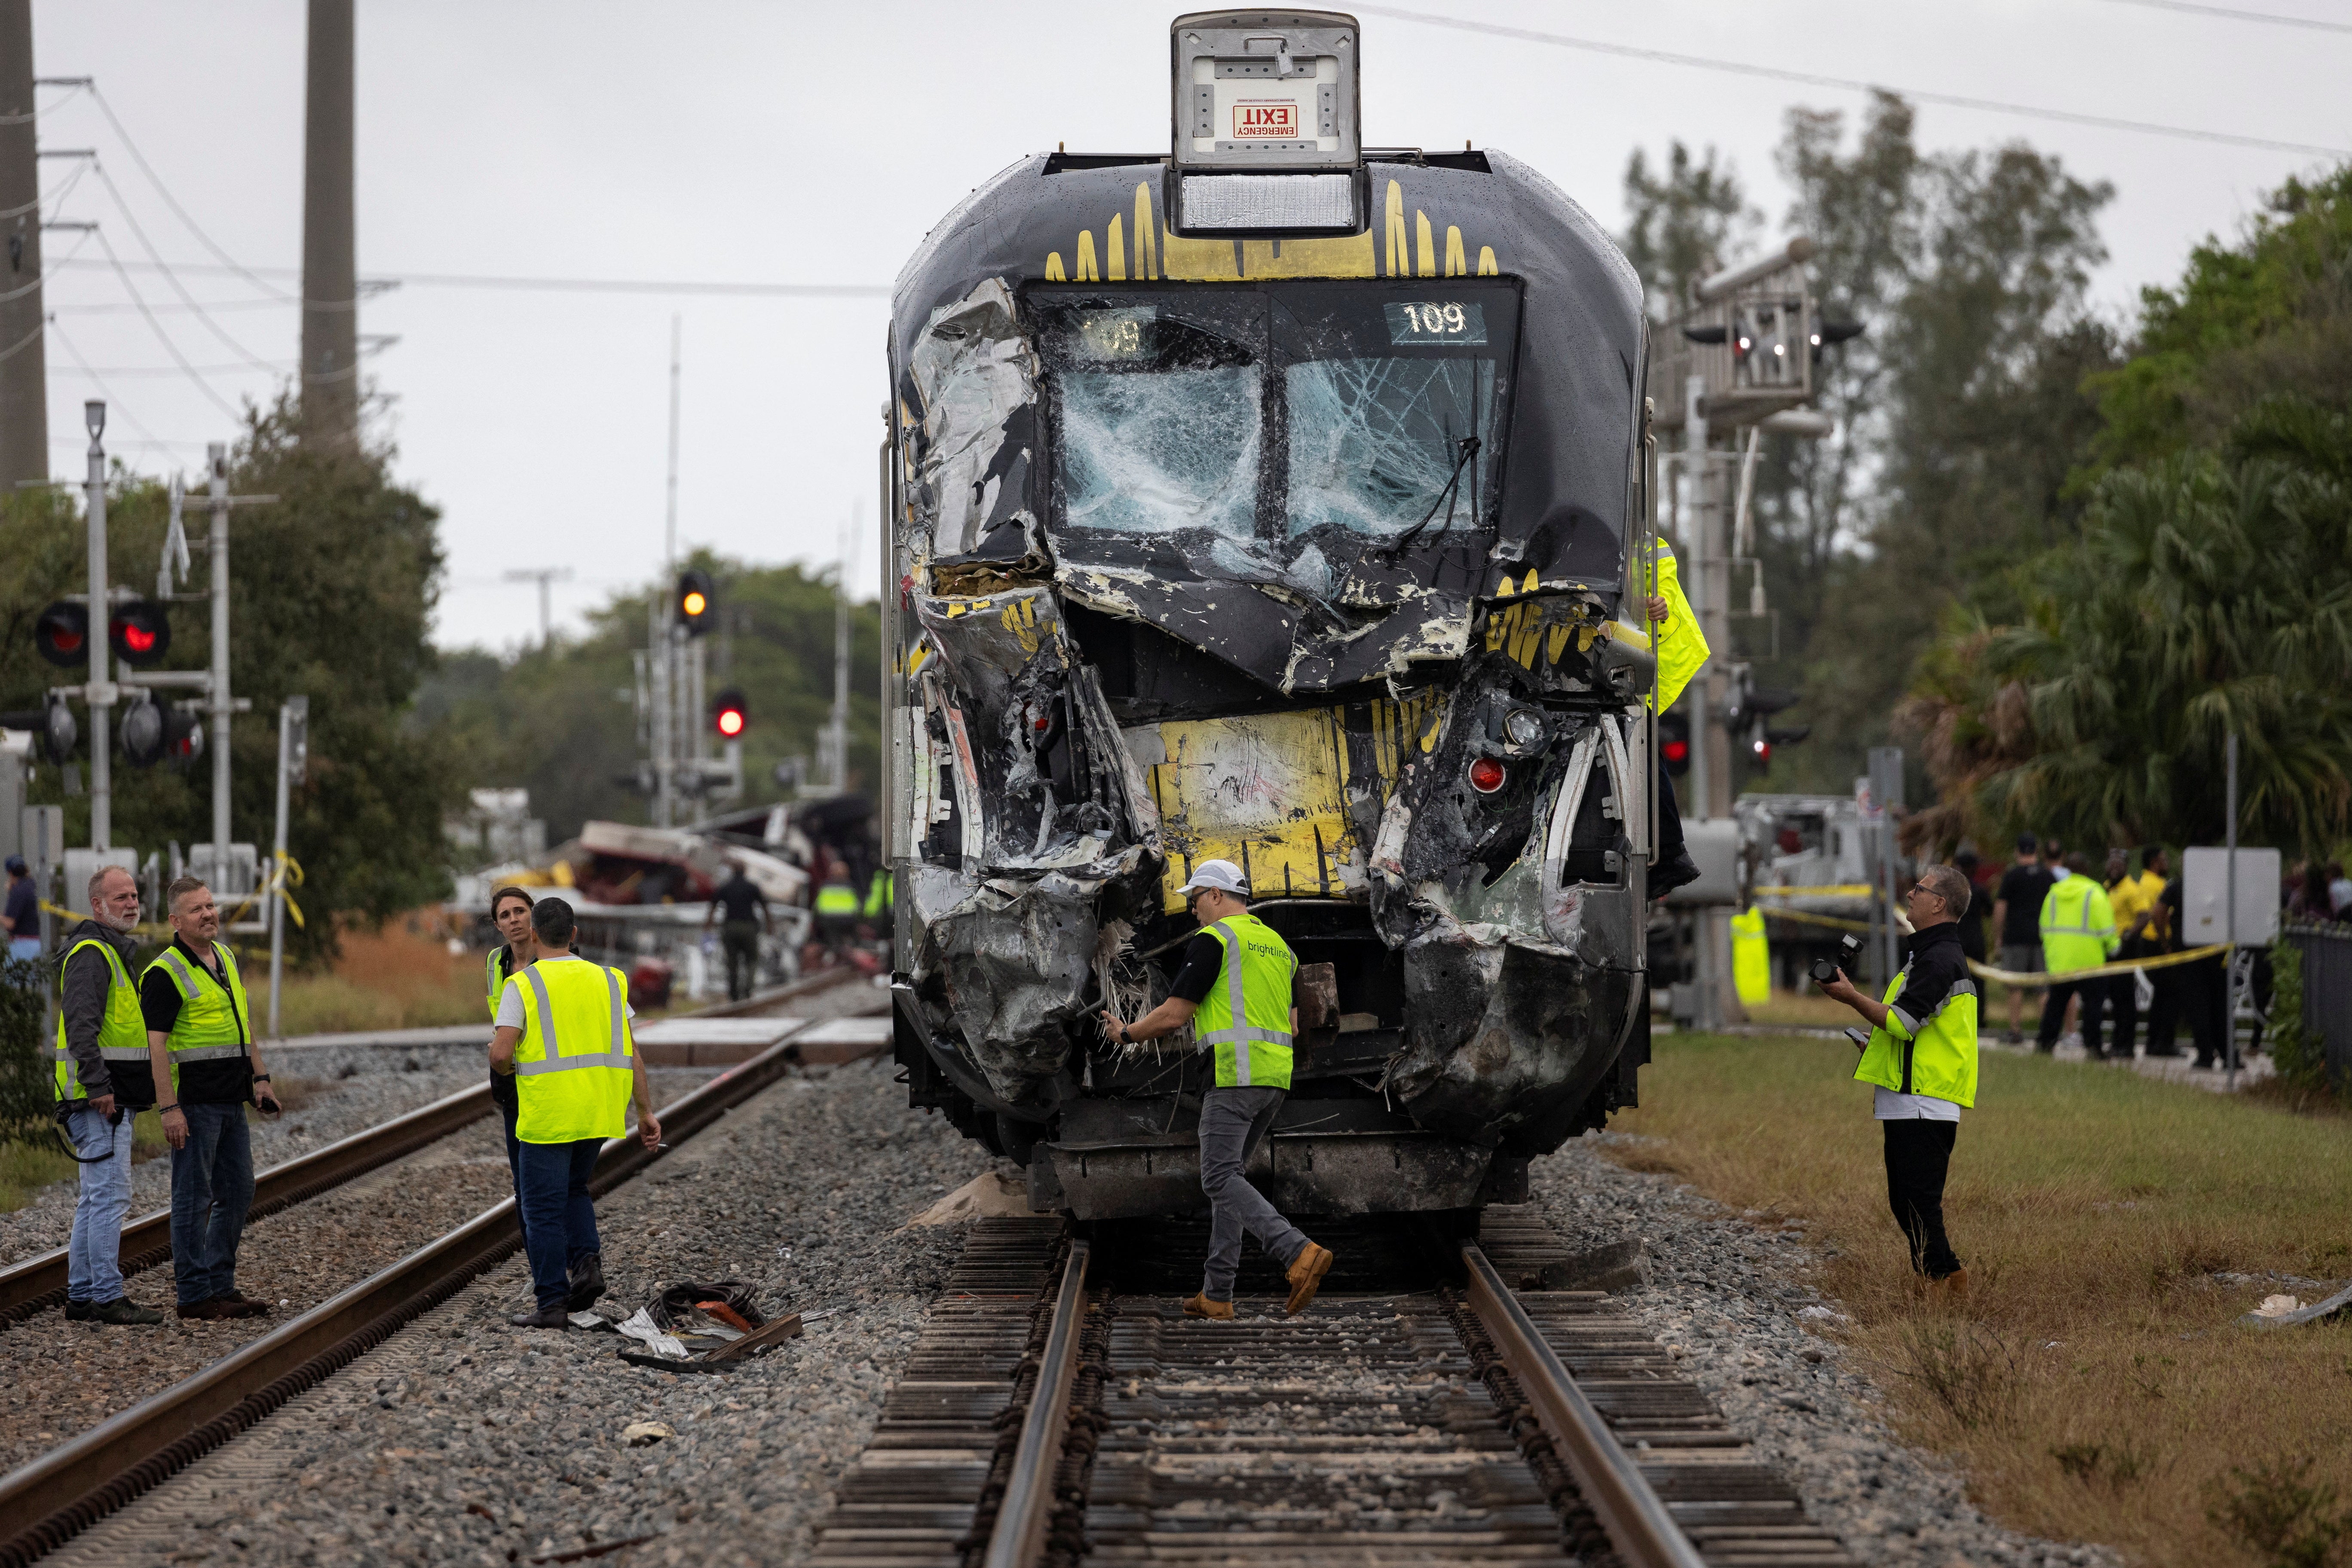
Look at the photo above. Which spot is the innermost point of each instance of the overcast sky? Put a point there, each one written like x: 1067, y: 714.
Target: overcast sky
x: 797, y: 143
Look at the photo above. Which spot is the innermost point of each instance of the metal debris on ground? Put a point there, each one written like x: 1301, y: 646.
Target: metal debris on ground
x: 703, y: 1328
x: 2278, y: 1311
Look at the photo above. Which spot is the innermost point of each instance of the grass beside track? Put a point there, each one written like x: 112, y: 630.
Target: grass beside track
x: 2094, y: 1385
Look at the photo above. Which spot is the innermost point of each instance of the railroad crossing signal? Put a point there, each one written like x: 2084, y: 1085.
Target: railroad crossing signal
x: 53, y: 722
x: 728, y: 714
x: 154, y: 733
x: 1674, y: 743
x: 140, y: 633
x: 694, y: 601
x: 61, y: 635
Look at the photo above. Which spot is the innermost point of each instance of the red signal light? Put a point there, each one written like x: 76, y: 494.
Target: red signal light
x: 1485, y: 775
x: 1676, y: 750
x: 66, y: 642
x: 731, y: 723
x: 729, y: 713
x: 139, y: 639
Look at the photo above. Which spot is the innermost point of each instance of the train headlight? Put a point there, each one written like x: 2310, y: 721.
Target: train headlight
x: 1523, y: 728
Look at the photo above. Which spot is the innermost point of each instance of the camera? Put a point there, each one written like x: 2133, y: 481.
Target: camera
x: 1825, y: 969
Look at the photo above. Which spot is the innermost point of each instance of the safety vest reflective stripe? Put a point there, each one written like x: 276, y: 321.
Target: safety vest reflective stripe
x: 555, y: 1060
x: 1240, y: 1038
x: 836, y: 898
x: 2079, y: 922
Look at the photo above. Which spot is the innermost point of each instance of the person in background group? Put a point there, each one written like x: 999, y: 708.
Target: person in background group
x: 1921, y: 1057
x: 2017, y: 919
x: 511, y: 912
x: 2078, y: 932
x: 564, y: 1031
x: 206, y: 1070
x: 746, y: 916
x: 101, y: 1082
x: 1682, y: 651
x: 2134, y: 901
x: 2339, y: 891
x: 2053, y: 860
x: 20, y: 915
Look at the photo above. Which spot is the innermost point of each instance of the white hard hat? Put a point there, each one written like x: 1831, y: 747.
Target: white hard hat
x: 1222, y: 874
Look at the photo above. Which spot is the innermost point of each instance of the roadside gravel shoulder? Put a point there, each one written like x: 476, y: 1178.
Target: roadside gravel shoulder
x: 463, y: 1440
x: 1736, y: 1305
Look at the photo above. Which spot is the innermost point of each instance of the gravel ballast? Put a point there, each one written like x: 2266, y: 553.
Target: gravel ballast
x: 462, y: 1439
x: 1735, y: 1305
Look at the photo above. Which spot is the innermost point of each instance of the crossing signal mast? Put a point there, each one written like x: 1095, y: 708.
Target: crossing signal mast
x: 672, y: 674
x: 1741, y: 362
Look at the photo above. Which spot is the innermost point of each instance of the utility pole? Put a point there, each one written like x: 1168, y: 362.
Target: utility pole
x: 331, y: 370
x: 100, y: 693
x: 542, y: 575
x: 24, y: 370
x: 665, y: 635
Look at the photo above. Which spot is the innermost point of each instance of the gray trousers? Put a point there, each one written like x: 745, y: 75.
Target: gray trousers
x: 1234, y: 1122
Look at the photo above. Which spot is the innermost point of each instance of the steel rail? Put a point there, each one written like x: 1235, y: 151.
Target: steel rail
x: 1018, y: 1538
x: 1637, y: 1520
x: 46, y: 1501
x: 38, y: 1283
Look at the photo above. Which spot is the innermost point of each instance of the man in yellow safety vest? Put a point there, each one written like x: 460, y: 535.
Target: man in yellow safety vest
x: 206, y: 1070
x: 1239, y: 989
x: 2078, y: 931
x: 1680, y: 646
x: 101, y: 1082
x: 563, y: 1033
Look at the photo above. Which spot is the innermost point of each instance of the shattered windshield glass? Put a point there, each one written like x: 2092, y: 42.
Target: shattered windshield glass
x: 1157, y: 453
x: 1375, y: 409
x: 1380, y: 446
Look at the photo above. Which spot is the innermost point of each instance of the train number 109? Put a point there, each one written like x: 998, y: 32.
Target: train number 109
x: 1437, y: 321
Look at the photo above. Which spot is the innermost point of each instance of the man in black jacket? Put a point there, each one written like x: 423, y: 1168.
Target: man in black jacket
x: 100, y: 1081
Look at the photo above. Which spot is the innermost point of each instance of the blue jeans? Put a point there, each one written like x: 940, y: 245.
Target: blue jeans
x: 508, y: 1114
x: 94, y: 1256
x: 212, y: 1186
x: 559, y: 1218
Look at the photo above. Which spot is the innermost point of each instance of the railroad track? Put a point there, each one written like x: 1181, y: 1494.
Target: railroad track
x: 45, y: 1502
x: 1434, y: 1406
x: 38, y: 1283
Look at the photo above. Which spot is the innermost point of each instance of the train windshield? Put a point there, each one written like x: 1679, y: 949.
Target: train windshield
x: 1357, y: 411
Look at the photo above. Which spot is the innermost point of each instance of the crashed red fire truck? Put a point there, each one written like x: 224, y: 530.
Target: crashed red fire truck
x: 1270, y: 501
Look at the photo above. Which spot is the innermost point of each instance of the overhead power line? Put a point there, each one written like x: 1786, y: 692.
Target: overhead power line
x: 487, y: 280
x: 1813, y: 79
x: 2231, y: 13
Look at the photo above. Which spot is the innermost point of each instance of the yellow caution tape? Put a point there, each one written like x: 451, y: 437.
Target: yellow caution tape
x: 287, y: 874
x: 1803, y: 917
x: 2162, y: 961
x: 1833, y: 891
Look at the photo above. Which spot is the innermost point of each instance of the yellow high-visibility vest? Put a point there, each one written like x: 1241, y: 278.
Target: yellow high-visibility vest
x: 495, y: 982
x: 1942, y: 1056
x: 211, y: 1025
x: 1246, y: 1017
x: 1679, y: 644
x: 2078, y: 926
x: 576, y: 1057
x: 121, y: 1031
x: 1751, y: 959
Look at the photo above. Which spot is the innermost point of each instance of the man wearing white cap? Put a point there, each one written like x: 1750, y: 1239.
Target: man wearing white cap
x: 1242, y: 981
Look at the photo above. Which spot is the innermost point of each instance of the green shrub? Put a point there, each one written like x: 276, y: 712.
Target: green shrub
x: 25, y: 1073
x: 2301, y: 1060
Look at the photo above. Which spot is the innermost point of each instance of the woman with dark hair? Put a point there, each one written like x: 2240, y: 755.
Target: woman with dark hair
x: 511, y: 912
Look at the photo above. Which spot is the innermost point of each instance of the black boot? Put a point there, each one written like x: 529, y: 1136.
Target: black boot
x: 1672, y: 873
x: 587, y: 1281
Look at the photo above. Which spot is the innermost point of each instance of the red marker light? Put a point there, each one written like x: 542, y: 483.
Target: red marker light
x: 731, y: 723
x: 138, y: 638
x: 1676, y: 750
x: 66, y: 641
x: 1485, y: 775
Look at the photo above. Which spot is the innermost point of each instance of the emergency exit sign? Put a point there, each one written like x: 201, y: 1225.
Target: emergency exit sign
x: 1265, y: 118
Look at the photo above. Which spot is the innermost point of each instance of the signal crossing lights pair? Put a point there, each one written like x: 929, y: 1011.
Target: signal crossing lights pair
x: 140, y: 633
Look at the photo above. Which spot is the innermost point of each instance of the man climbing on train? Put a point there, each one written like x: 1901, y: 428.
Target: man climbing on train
x: 1682, y: 652
x: 1239, y: 987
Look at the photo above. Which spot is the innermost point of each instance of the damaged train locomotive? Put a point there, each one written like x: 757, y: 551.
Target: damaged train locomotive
x: 1272, y: 500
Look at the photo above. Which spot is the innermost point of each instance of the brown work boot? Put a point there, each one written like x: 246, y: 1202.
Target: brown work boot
x: 1307, y: 1271
x: 1955, y: 1284
x: 1200, y: 1306
x: 209, y: 1309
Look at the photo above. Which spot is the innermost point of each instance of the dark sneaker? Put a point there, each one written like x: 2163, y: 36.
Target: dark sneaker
x: 587, y: 1282
x: 205, y: 1311
x: 1669, y: 875
x: 545, y: 1318
x: 78, y: 1311
x: 125, y: 1312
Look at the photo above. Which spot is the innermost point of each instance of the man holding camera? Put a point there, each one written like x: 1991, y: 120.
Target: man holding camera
x: 1921, y: 1054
